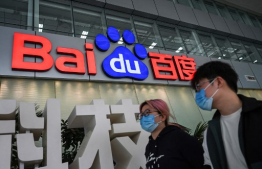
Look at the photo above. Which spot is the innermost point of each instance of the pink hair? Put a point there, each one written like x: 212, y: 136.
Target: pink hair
x: 159, y: 105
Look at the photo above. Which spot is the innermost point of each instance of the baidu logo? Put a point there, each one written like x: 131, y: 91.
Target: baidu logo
x: 122, y: 62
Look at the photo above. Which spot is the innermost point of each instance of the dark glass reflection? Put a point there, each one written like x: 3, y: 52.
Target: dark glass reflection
x: 252, y: 53
x: 192, y: 46
x: 235, y: 16
x: 239, y: 51
x: 197, y: 4
x: 171, y: 39
x: 88, y: 22
x: 55, y: 18
x: 209, y: 46
x: 227, y: 52
x: 223, y: 11
x: 147, y: 33
x: 14, y: 13
x: 184, y: 2
x: 210, y: 7
x: 120, y: 21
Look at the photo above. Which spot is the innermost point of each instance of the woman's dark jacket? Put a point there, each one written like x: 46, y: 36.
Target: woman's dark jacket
x: 250, y: 135
x: 174, y: 149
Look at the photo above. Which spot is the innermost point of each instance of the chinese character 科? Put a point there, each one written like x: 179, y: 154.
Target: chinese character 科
x: 186, y: 67
x: 162, y: 63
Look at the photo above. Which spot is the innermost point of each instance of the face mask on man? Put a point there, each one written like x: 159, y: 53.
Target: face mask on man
x: 204, y: 102
x: 148, y: 123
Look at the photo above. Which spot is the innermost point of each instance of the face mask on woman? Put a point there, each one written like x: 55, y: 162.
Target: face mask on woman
x: 148, y: 123
x: 204, y: 102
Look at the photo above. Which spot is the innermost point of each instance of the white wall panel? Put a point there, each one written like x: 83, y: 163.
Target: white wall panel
x: 179, y: 99
x: 113, y: 92
x: 27, y: 90
x: 183, y: 104
x: 243, y: 92
x: 75, y: 93
x: 256, y: 94
x: 147, y: 92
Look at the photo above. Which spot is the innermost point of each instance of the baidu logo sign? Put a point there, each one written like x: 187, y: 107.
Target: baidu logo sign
x: 122, y: 62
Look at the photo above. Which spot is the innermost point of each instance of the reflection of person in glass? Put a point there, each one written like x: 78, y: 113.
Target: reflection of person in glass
x: 169, y: 146
x: 233, y: 139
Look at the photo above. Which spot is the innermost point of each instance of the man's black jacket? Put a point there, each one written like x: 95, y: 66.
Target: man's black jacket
x: 250, y: 135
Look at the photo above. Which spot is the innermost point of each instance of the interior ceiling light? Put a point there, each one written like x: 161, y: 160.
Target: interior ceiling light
x: 152, y: 45
x: 85, y: 33
x: 40, y: 27
x: 120, y: 41
x: 230, y: 50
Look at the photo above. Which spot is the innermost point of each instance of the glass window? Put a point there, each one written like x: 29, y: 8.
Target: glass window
x: 210, y: 7
x: 14, y: 13
x: 244, y: 18
x: 259, y: 50
x: 223, y: 11
x: 253, y: 53
x: 121, y: 23
x: 240, y: 51
x: 184, y: 2
x: 147, y: 33
x: 197, y: 4
x: 88, y: 22
x: 209, y: 47
x: 55, y: 18
x: 260, y: 21
x: 235, y: 15
x: 227, y: 52
x: 193, y: 46
x: 171, y: 39
x: 254, y: 21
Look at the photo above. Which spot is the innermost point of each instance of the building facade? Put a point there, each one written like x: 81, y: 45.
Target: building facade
x: 66, y: 49
x: 200, y: 29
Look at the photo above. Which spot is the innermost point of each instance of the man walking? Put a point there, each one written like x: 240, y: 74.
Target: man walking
x: 233, y: 139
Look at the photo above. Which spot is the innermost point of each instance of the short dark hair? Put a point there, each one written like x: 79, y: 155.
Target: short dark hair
x: 212, y: 69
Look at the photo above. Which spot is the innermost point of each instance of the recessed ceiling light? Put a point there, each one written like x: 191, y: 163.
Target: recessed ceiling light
x: 180, y: 48
x: 153, y: 44
x: 151, y: 47
x: 84, y: 33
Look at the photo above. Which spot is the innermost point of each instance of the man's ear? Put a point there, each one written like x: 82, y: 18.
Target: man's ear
x: 220, y: 82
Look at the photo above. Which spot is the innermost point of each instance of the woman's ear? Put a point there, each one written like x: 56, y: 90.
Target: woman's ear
x: 163, y: 117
